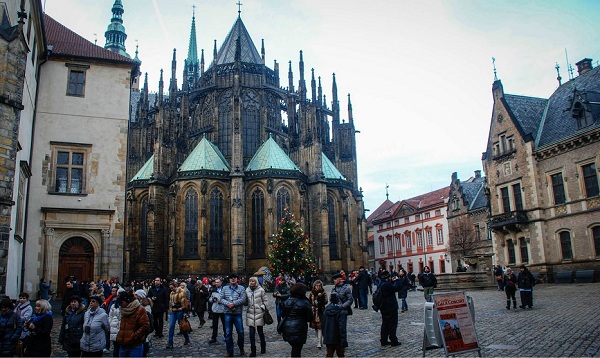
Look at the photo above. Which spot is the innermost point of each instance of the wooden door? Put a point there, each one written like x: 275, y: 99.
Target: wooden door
x: 76, y: 258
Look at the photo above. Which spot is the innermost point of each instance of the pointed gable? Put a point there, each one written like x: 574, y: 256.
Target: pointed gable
x: 271, y: 156
x: 329, y: 170
x: 527, y: 112
x: 206, y: 156
x: 249, y: 53
x: 146, y: 171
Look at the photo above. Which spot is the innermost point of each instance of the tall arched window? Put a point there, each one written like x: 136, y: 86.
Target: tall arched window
x: 144, y: 231
x: 333, y: 239
x: 565, y: 245
x: 510, y: 245
x: 257, y: 229
x: 524, y: 251
x: 251, y: 123
x: 224, y: 123
x: 215, y: 236
x: 190, y: 232
x: 596, y: 236
x: 283, y: 201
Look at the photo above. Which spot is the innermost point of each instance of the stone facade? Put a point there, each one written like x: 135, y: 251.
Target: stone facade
x: 542, y: 169
x: 204, y: 197
x: 77, y: 194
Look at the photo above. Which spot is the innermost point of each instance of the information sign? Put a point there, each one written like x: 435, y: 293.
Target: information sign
x: 456, y: 322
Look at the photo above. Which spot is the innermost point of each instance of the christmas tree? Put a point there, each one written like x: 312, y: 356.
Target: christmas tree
x: 290, y: 249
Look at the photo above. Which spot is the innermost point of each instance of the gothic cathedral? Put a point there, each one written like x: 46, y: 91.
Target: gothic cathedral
x: 212, y: 166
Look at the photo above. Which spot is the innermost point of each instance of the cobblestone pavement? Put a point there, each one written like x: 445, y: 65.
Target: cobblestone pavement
x: 563, y: 322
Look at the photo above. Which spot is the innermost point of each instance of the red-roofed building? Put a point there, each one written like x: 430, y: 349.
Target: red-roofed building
x: 412, y: 233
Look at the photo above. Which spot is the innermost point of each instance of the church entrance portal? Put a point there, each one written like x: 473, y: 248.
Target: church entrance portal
x: 76, y: 258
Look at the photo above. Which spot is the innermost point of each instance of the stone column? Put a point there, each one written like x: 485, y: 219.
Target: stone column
x: 105, y: 249
x: 48, y: 237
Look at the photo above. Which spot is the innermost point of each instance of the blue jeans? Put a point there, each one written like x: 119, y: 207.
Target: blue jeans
x: 132, y: 352
x: 176, y: 317
x: 230, y: 321
x: 278, y: 311
x: 404, y: 305
x: 362, y: 297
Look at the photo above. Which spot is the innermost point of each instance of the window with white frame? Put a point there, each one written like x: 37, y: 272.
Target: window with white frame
x: 440, y: 236
x: 420, y: 239
x: 69, y: 167
x: 429, y: 238
x: 408, y: 238
x: 76, y: 79
x: 381, y: 246
x: 390, y: 247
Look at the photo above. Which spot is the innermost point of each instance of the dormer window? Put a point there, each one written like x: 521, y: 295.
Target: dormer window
x: 581, y: 115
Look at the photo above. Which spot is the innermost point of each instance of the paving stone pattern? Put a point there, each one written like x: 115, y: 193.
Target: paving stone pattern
x: 563, y: 322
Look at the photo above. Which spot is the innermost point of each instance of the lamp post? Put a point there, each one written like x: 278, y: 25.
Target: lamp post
x: 424, y: 238
x: 393, y: 239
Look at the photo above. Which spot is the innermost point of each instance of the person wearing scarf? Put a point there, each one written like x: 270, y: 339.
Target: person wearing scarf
x: 40, y: 326
x: 95, y: 329
x: 318, y: 300
x: 134, y: 328
x: 10, y: 328
x: 256, y: 299
x: 71, y: 329
x: 24, y: 310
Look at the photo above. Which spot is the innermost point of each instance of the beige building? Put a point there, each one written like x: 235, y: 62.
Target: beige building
x: 542, y: 162
x: 77, y: 190
x: 22, y: 47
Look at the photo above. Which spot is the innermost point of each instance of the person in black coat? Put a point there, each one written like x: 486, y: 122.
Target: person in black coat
x: 159, y: 294
x: 389, y: 309
x: 404, y: 287
x: 296, y: 314
x: 40, y: 327
x: 510, y: 282
x: 526, y: 281
x: 71, y: 329
x: 70, y: 291
x: 334, y: 323
x: 364, y: 281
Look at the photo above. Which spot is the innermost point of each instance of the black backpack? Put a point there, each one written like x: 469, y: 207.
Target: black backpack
x: 377, y: 299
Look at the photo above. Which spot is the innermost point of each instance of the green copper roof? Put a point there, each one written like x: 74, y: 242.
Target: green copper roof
x: 329, y: 170
x: 146, y: 171
x: 206, y: 156
x: 270, y: 156
x: 249, y: 53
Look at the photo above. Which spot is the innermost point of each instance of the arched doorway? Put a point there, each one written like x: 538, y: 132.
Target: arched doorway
x: 76, y: 258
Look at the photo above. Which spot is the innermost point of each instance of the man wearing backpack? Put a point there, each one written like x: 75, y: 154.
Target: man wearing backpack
x: 389, y: 309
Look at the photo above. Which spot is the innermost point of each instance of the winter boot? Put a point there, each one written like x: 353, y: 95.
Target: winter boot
x: 253, y: 350
x: 507, y: 304
x: 319, y: 338
x: 263, y: 347
x: 514, y: 303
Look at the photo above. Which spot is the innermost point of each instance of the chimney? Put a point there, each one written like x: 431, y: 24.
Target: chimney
x: 584, y: 65
x: 477, y: 174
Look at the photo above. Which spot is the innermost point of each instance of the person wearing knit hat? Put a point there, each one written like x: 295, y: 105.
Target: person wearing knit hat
x: 296, y: 314
x: 140, y: 294
x: 134, y: 327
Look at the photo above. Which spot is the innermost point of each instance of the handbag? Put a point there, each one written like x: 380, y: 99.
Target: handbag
x: 267, y: 317
x: 184, y: 325
x: 20, y: 348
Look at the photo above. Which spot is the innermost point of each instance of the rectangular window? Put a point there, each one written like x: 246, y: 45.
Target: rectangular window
x: 558, y: 188
x: 503, y: 143
x: 442, y: 266
x: 565, y: 245
x: 24, y: 174
x: 440, y: 236
x: 590, y: 180
x: 429, y: 238
x: 427, y: 215
x: 380, y: 226
x: 389, y: 240
x: 420, y: 239
x: 398, y: 238
x: 505, y: 200
x: 511, y: 252
x: 596, y: 235
x: 417, y: 217
x: 438, y: 212
x: 524, y: 252
x: 517, y: 196
x: 76, y: 79
x: 69, y: 168
x: 477, y: 232
x: 409, y: 241
x: 381, y: 246
x: 406, y: 220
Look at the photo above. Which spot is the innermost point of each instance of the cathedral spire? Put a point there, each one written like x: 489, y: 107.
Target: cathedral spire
x: 302, y: 84
x: 202, y: 62
x: 320, y: 93
x: 313, y: 86
x: 350, y: 118
x: 191, y: 63
x: 173, y: 86
x: 115, y: 33
x: 335, y: 105
x: 161, y: 88
x: 290, y: 78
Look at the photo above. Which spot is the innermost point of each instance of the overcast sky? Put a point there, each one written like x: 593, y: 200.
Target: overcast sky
x: 419, y: 73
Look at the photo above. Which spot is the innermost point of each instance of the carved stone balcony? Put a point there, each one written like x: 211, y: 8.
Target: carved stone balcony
x: 511, y: 221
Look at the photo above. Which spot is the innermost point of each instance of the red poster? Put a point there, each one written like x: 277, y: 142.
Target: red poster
x: 456, y: 324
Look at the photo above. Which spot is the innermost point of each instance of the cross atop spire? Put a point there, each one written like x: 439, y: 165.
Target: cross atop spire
x: 239, y: 4
x: 494, y: 64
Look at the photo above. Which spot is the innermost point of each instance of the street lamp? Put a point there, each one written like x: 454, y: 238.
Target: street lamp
x: 393, y: 239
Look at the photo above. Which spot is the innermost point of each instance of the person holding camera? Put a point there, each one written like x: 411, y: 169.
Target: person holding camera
x: 95, y: 329
x: 389, y: 308
x: 178, y: 303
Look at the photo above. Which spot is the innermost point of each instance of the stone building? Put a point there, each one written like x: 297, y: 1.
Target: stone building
x: 22, y: 49
x: 412, y: 233
x: 468, y: 213
x: 77, y: 190
x: 542, y: 162
x: 213, y: 164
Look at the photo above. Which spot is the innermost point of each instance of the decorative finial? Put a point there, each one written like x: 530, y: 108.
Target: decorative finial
x: 95, y: 38
x: 387, y: 195
x: 494, y: 63
x: 558, y: 72
x: 193, y: 11
x: 239, y: 4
